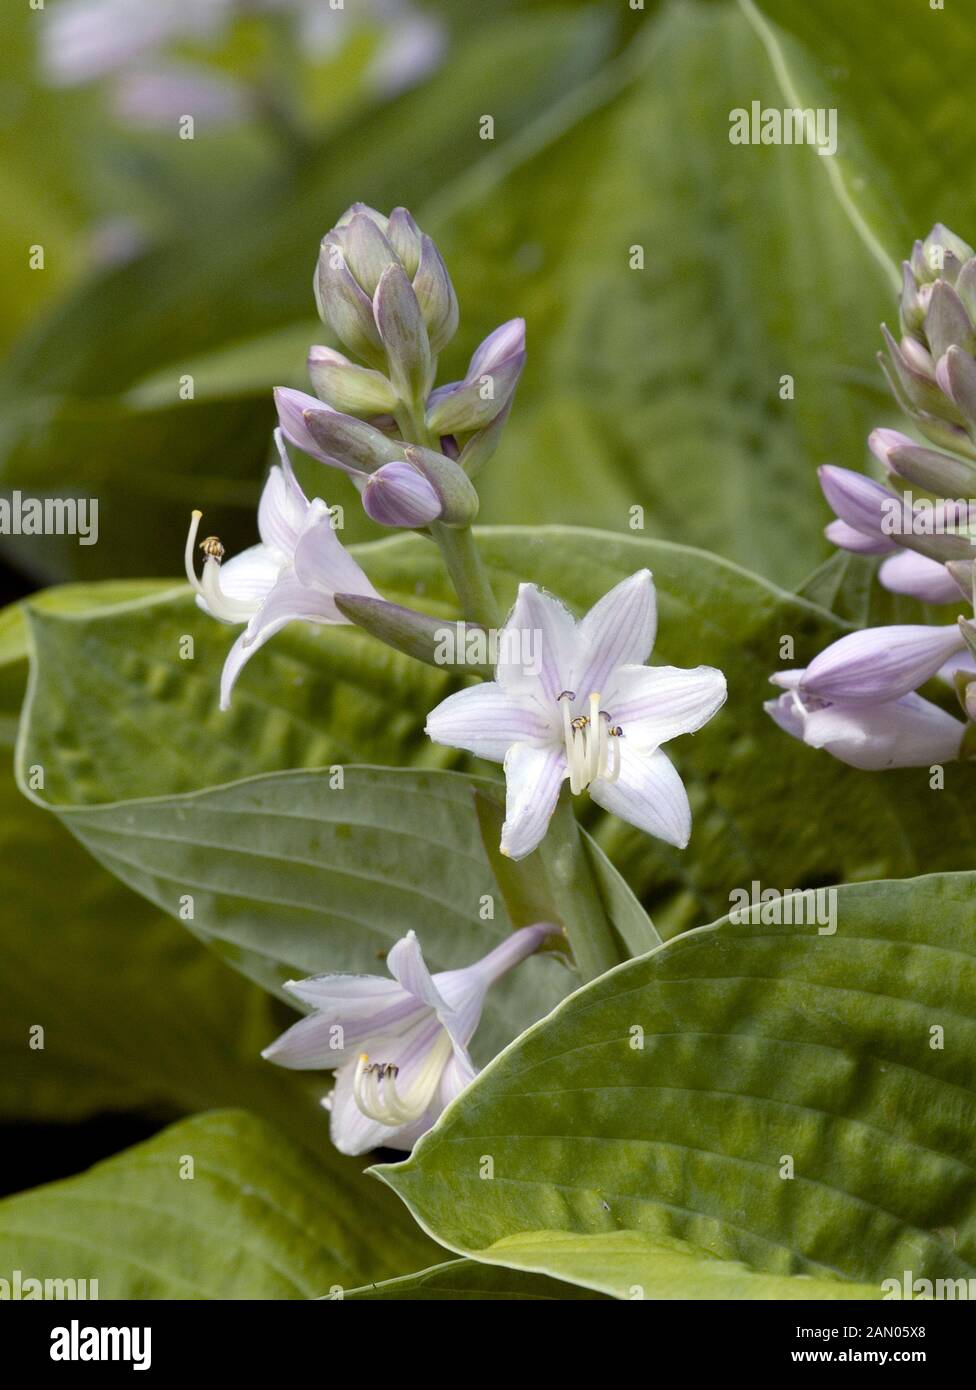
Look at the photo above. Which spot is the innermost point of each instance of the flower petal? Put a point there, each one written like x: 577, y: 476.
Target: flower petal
x: 839, y: 533
x: 486, y: 720
x: 649, y: 794
x: 910, y: 732
x: 533, y: 777
x: 655, y: 703
x: 247, y: 578
x: 283, y: 505
x: 537, y: 646
x: 406, y: 964
x: 617, y: 631
x: 398, y: 494
x: 917, y: 575
x: 324, y: 564
x: 880, y: 663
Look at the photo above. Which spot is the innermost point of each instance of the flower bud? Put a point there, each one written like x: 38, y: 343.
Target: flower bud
x: 416, y: 634
x: 879, y: 664
x: 355, y: 255
x: 331, y: 437
x: 345, y: 387
x: 404, y: 333
x: 942, y: 474
x: 399, y: 495
x: 946, y: 322
x: 918, y: 577
x: 458, y: 498
x: 488, y: 385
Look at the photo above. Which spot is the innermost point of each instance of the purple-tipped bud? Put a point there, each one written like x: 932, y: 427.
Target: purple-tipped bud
x: 956, y: 375
x: 882, y: 441
x: 399, y: 495
x: 488, y: 386
x: 881, y: 663
x: 344, y: 305
x: 942, y: 255
x: 339, y: 440
x: 344, y: 386
x: 858, y: 500
x: 942, y: 474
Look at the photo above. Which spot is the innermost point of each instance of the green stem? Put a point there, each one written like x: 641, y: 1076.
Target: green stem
x: 457, y: 546
x: 456, y: 543
x: 567, y: 866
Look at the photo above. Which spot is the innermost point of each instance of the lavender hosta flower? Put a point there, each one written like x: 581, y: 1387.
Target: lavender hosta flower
x: 881, y: 663
x: 907, y: 732
x: 293, y: 574
x: 469, y: 405
x: 383, y: 288
x: 866, y: 515
x: 83, y: 40
x: 574, y: 700
x: 394, y: 491
x: 399, y: 1046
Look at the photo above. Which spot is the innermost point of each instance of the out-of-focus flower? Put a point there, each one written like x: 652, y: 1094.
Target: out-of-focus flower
x: 292, y: 574
x: 88, y: 40
x: 399, y: 1046
x: 574, y: 700
x: 907, y: 732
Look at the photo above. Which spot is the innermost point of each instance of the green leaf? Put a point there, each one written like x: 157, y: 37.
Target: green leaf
x: 290, y: 875
x: 258, y: 1218
x: 663, y: 1102
x: 107, y: 685
x: 905, y: 156
x: 461, y: 1281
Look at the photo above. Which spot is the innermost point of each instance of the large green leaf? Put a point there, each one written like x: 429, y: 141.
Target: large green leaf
x: 291, y: 875
x: 461, y: 1281
x: 257, y: 1218
x: 897, y: 74
x: 800, y: 1103
x: 107, y: 686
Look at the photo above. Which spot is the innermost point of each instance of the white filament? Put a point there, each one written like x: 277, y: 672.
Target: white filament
x: 221, y: 605
x: 592, y: 750
x: 375, y: 1086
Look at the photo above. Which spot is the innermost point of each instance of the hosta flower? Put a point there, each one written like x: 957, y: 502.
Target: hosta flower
x: 907, y: 732
x: 292, y: 574
x: 399, y: 1046
x: 574, y: 700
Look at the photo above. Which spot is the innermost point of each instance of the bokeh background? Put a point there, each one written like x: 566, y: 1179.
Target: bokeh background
x: 659, y: 386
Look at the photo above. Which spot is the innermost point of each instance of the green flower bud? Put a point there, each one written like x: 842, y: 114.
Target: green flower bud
x: 350, y: 389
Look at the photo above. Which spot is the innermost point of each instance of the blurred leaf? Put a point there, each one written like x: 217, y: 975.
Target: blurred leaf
x: 109, y: 685
x: 898, y: 75
x: 258, y: 1218
x: 230, y: 276
x: 759, y: 1044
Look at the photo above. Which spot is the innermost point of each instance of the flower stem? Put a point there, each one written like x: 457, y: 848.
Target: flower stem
x: 575, y: 896
x: 456, y: 543
x: 457, y: 546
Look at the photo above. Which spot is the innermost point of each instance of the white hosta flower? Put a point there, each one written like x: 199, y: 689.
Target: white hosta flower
x: 574, y: 700
x: 295, y: 572
x: 399, y: 1047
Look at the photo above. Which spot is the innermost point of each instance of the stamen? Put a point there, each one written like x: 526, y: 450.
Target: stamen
x: 221, y: 605
x: 375, y: 1086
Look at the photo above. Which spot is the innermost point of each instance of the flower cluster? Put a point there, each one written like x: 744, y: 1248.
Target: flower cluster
x: 585, y: 710
x: 859, y: 699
